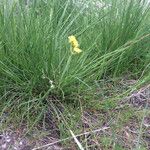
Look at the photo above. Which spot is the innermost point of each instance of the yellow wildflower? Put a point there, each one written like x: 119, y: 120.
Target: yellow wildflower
x: 75, y: 45
x: 77, y: 50
x: 73, y: 41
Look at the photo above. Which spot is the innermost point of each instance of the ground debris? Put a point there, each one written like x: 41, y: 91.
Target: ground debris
x: 139, y: 99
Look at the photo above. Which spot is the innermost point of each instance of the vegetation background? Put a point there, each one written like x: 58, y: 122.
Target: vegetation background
x: 40, y: 77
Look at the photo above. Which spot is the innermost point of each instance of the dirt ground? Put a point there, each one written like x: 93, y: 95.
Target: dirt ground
x: 16, y: 139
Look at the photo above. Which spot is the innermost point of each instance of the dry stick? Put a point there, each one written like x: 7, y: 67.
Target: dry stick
x: 78, y: 135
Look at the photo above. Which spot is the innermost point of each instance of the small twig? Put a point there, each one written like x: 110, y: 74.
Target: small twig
x: 76, y: 140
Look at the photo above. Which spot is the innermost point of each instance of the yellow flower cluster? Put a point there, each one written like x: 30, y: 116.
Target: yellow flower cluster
x: 75, y: 45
